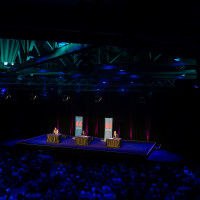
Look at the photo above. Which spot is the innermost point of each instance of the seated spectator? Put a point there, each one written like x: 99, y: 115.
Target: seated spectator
x: 42, y: 179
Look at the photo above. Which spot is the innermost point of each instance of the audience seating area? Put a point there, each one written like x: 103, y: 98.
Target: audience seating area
x: 33, y: 175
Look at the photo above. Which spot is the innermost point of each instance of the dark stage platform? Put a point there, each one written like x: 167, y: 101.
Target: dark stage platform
x: 97, y: 145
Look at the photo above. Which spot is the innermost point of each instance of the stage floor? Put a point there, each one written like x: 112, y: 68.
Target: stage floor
x: 130, y: 147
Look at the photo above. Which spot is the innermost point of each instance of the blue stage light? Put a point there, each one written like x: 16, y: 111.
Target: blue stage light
x: 103, y: 82
x: 122, y: 73
x: 177, y: 59
x: 43, y: 70
x: 76, y: 75
x: 180, y: 77
x: 134, y: 76
x: 108, y: 67
x: 3, y: 91
x: 62, y: 44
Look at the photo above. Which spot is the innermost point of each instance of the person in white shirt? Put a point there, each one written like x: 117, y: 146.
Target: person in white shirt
x: 55, y: 131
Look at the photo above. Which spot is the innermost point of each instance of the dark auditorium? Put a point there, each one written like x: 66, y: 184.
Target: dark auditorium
x: 99, y: 100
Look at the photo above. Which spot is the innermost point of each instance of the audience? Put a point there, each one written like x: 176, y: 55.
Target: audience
x: 89, y: 180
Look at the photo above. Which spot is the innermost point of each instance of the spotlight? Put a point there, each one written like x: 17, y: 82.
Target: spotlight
x: 33, y: 97
x: 62, y: 44
x: 177, y: 59
x: 98, y: 98
x: 8, y: 96
x: 108, y: 67
x: 5, y: 94
x: 3, y: 91
x: 66, y: 98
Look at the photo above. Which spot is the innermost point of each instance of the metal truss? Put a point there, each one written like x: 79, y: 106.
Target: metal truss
x: 27, y: 64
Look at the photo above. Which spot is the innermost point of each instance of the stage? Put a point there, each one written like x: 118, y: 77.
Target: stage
x: 96, y: 147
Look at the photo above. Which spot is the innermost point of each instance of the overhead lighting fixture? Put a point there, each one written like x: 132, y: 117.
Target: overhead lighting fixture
x: 33, y: 97
x: 98, y: 98
x: 177, y: 59
x: 62, y: 44
x: 134, y: 76
x: 7, y: 96
x: 66, y: 98
x: 108, y: 67
x: 122, y: 72
x: 7, y: 64
x: 3, y: 91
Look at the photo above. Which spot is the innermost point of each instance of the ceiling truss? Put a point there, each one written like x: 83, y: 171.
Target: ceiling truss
x: 29, y: 64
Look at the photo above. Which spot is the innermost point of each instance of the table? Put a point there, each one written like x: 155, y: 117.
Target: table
x: 113, y: 142
x: 82, y: 140
x: 52, y: 138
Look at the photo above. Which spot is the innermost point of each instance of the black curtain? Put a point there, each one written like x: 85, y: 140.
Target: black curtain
x: 171, y: 118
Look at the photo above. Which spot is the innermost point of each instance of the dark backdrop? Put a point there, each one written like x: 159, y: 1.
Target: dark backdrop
x: 169, y: 118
